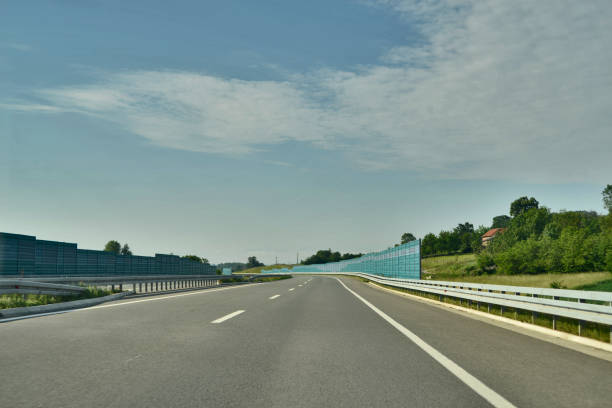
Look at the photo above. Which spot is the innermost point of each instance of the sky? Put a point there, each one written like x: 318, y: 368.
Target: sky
x: 271, y: 128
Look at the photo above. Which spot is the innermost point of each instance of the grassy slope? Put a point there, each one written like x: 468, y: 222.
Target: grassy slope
x: 15, y: 300
x: 453, y: 268
x: 603, y: 286
x: 258, y: 269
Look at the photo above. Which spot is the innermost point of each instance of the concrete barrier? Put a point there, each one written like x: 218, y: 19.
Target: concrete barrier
x: 58, y: 307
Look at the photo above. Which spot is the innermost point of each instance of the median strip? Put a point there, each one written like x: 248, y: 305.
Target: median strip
x: 227, y: 317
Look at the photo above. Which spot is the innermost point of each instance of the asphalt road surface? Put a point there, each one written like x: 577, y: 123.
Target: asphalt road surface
x: 302, y: 342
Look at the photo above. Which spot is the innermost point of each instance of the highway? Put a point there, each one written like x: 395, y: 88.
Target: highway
x: 302, y: 342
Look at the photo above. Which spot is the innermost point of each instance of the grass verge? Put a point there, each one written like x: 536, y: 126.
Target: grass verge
x: 17, y: 300
x: 463, y: 268
x: 238, y: 279
x: 262, y: 269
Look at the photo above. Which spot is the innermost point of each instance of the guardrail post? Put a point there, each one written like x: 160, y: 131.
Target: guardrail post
x: 554, y: 318
x: 580, y: 321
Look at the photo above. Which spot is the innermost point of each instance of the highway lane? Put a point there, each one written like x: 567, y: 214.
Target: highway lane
x: 314, y: 345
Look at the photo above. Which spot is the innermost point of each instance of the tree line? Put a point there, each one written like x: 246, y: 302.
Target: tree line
x: 116, y: 248
x: 327, y: 255
x: 538, y: 240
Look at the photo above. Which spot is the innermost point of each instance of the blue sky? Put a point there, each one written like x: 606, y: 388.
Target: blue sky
x: 239, y: 128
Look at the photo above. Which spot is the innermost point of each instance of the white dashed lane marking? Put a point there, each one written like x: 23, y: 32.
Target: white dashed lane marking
x: 227, y: 317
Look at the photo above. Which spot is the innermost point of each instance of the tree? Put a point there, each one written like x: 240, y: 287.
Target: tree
x: 126, y: 250
x: 428, y: 244
x: 501, y: 221
x: 253, y: 262
x: 522, y: 204
x: 464, y: 233
x: 607, y: 197
x: 350, y: 256
x: 193, y: 258
x: 196, y: 258
x: 113, y: 247
x: 407, y: 237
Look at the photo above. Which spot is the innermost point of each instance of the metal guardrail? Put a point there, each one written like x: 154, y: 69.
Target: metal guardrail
x: 57, y: 285
x: 8, y: 286
x: 581, y: 305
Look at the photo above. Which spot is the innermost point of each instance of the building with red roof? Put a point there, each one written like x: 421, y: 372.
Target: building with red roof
x: 490, y: 234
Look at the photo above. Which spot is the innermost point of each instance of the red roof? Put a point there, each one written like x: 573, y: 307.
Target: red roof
x: 492, y: 232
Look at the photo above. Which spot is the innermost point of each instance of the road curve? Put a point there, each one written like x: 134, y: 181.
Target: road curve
x: 280, y: 344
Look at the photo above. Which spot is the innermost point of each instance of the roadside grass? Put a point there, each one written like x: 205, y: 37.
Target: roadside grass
x: 582, y: 280
x: 449, y: 266
x: 238, y: 279
x: 272, y: 278
x: 17, y: 300
x: 603, y: 286
x: 463, y: 268
x: 259, y: 269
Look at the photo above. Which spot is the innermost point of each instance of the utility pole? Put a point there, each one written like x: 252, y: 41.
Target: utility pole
x: 276, y: 262
x: 297, y: 258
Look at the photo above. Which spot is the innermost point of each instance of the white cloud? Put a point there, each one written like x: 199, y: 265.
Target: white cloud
x: 499, y: 90
x: 16, y: 46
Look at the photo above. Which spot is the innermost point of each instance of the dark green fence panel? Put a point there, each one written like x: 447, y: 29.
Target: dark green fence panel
x: 24, y: 255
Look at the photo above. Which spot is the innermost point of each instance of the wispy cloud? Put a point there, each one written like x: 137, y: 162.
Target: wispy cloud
x: 498, y: 90
x: 16, y: 46
x: 279, y: 163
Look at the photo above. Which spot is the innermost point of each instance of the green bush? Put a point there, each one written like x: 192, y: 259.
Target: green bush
x: 538, y: 241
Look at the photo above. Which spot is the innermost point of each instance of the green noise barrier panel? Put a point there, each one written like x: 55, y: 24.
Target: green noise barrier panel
x: 24, y: 255
x: 402, y: 262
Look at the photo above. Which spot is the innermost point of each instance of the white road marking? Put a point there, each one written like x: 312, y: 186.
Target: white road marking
x: 291, y: 289
x: 10, y: 319
x: 273, y: 297
x: 199, y: 292
x: 300, y: 285
x: 133, y: 358
x: 474, y: 383
x: 227, y: 317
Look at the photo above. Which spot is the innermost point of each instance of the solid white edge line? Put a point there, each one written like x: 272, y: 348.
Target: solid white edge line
x: 197, y: 292
x: 10, y: 319
x: 474, y: 383
x: 84, y: 309
x: 227, y: 317
x: 273, y: 297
